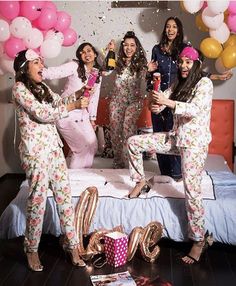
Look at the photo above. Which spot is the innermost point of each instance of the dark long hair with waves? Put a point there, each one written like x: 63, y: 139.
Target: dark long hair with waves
x: 177, y: 43
x: 183, y: 87
x: 138, y: 62
x: 39, y: 90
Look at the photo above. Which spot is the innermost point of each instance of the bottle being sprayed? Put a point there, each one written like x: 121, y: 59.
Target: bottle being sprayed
x: 91, y: 82
x: 156, y: 81
x: 110, y: 60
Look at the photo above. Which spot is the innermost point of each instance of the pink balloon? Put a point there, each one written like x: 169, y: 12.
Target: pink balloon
x: 70, y: 37
x: 63, y: 21
x: 51, y: 5
x: 231, y: 22
x: 13, y: 46
x: 47, y: 19
x: 9, y: 9
x: 232, y: 7
x: 31, y: 9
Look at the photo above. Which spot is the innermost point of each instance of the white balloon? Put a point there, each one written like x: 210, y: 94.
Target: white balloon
x: 193, y: 6
x: 211, y: 20
x: 54, y: 35
x: 50, y: 49
x: 6, y: 64
x: 221, y: 34
x: 20, y: 27
x: 218, y: 6
x: 220, y: 66
x: 34, y: 39
x: 4, y: 31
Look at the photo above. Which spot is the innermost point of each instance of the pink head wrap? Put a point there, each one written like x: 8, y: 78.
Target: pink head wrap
x: 190, y: 53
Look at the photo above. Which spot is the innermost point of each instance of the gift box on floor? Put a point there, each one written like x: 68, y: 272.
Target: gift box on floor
x: 116, y: 248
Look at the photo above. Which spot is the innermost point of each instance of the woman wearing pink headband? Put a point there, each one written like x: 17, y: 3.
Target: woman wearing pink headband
x: 190, y: 101
x: 37, y: 109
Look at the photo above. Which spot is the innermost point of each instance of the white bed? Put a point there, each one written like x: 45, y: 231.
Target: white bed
x: 165, y: 203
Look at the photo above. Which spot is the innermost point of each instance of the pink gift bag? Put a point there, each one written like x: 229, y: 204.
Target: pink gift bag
x: 116, y: 248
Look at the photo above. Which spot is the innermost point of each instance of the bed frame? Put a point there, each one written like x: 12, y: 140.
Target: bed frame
x: 222, y: 125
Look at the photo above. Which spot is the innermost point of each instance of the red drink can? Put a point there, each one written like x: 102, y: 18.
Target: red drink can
x: 156, y: 81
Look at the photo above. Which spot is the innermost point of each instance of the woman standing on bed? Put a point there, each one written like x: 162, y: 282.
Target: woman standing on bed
x: 127, y: 99
x: 37, y: 109
x: 190, y: 102
x: 78, y: 129
x: 165, y: 55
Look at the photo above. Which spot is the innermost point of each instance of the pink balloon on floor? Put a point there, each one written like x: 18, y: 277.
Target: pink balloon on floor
x: 9, y: 9
x: 13, y: 46
x: 70, y: 37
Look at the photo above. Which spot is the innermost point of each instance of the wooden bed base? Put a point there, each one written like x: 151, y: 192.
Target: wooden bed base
x: 222, y: 125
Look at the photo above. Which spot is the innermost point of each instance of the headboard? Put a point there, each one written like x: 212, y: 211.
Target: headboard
x: 222, y: 125
x: 222, y: 128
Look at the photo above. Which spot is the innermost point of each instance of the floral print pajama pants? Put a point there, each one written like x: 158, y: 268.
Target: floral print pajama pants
x: 123, y: 124
x: 47, y: 171
x: 193, y: 161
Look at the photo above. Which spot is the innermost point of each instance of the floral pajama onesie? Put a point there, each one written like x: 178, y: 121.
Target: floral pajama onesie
x: 44, y: 163
x: 125, y: 108
x: 76, y: 129
x: 190, y: 138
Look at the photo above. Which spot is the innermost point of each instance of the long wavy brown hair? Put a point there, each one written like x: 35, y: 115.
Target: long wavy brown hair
x: 183, y: 87
x: 39, y: 90
x: 138, y: 61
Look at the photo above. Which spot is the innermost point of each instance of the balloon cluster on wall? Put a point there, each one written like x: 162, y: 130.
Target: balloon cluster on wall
x: 219, y: 19
x: 32, y: 24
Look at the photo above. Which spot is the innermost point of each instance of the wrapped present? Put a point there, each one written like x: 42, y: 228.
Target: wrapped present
x: 116, y: 248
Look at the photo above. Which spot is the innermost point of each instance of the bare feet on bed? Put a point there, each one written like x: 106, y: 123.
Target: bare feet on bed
x: 142, y: 186
x: 195, y: 253
x: 34, y: 263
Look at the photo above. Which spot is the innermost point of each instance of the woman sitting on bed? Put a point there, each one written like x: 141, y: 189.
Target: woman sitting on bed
x: 37, y: 109
x: 190, y: 101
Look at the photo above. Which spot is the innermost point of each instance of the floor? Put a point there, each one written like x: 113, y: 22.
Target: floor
x: 217, y: 268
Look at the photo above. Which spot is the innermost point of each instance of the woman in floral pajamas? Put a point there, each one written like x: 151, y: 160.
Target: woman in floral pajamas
x: 190, y: 101
x: 127, y: 100
x: 37, y: 109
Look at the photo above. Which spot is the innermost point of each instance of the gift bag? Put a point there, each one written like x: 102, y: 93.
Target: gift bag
x: 116, y: 248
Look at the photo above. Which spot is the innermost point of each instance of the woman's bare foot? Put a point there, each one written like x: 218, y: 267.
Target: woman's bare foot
x: 33, y: 261
x: 195, y: 253
x: 137, y: 189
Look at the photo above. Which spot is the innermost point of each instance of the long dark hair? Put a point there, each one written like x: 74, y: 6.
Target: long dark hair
x: 138, y: 61
x: 39, y: 90
x: 183, y: 87
x: 81, y: 68
x: 177, y: 43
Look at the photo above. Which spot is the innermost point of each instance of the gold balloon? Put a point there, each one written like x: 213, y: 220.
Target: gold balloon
x: 134, y: 239
x: 229, y: 57
x: 199, y: 23
x: 211, y: 48
x: 231, y: 41
x: 84, y: 213
x: 153, y: 229
x: 182, y: 6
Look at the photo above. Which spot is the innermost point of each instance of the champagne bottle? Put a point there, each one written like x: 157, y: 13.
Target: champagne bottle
x: 110, y: 60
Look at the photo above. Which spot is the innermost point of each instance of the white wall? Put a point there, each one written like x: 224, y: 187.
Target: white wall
x: 97, y: 22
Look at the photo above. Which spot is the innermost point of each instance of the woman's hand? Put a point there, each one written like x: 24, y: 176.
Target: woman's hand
x: 152, y: 66
x: 225, y: 76
x: 94, y: 125
x: 79, y: 93
x: 111, y: 45
x: 159, y: 98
